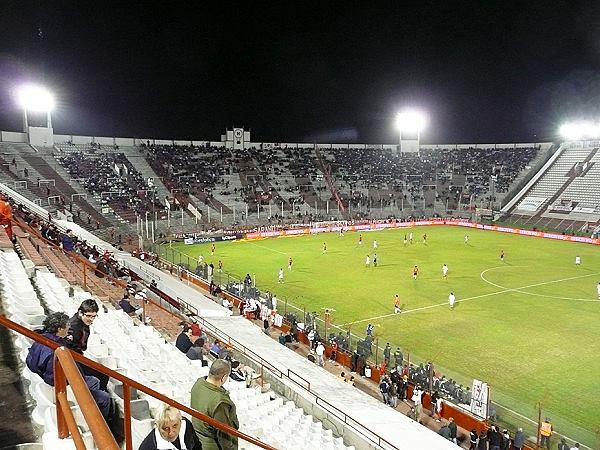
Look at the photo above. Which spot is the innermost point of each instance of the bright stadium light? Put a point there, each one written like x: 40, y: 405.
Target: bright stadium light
x: 575, y: 131
x: 411, y: 121
x: 35, y: 98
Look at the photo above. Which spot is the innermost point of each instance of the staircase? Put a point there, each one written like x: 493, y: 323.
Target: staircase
x: 136, y: 157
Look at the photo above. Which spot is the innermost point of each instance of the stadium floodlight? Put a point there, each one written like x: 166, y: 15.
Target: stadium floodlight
x: 411, y: 121
x: 35, y: 98
x: 32, y: 97
x: 575, y: 131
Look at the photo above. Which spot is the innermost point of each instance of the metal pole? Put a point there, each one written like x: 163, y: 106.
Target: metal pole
x: 282, y: 210
x: 539, y: 425
x: 221, y: 214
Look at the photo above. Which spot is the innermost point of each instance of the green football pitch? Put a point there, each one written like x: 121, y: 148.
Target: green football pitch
x: 527, y: 325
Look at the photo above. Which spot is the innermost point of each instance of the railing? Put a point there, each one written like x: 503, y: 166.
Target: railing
x: 292, y: 376
x: 67, y: 370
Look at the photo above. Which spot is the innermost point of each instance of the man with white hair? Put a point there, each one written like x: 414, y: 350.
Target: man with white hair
x: 172, y: 432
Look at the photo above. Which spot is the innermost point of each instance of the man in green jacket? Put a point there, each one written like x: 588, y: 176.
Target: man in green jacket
x: 209, y: 397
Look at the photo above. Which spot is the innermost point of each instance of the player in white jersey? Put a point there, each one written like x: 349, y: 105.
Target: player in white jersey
x: 445, y: 271
x: 451, y: 300
x: 598, y: 289
x: 367, y: 261
x: 375, y: 245
x: 280, y: 280
x: 466, y: 239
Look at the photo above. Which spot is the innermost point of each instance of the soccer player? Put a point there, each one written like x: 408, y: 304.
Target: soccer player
x: 280, y: 280
x: 342, y: 232
x: 367, y: 261
x: 324, y: 248
x: 451, y: 300
x: 360, y: 239
x: 415, y: 272
x: 397, y: 304
x: 425, y: 239
x: 466, y: 239
x: 212, y: 250
x: 598, y: 289
x: 578, y: 260
x: 374, y: 259
x: 502, y: 255
x: 375, y: 245
x: 220, y: 266
x: 445, y: 271
x: 410, y: 237
x: 290, y: 263
x: 405, y: 240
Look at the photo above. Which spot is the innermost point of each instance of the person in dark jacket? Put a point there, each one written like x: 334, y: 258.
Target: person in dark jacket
x: 184, y: 340
x: 445, y: 431
x: 79, y: 332
x: 494, y: 438
x: 453, y: 429
x: 196, y: 351
x: 482, y: 443
x: 519, y: 439
x: 40, y: 360
x: 171, y: 432
x: 473, y: 439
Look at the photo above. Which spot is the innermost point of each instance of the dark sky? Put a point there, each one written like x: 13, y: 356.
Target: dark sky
x: 486, y: 71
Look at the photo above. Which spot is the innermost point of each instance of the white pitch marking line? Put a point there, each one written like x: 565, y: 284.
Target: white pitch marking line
x: 267, y: 248
x: 503, y: 291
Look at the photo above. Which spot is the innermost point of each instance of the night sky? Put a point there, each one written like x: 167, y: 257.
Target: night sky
x: 485, y: 71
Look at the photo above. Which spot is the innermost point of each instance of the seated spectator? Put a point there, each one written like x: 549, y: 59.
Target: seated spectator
x: 40, y: 360
x: 79, y: 332
x: 171, y: 432
x: 184, y: 340
x: 227, y: 304
x: 128, y: 308
x: 215, y: 349
x: 237, y: 372
x: 196, y: 351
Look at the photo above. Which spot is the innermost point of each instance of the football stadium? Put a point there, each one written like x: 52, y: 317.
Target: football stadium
x: 277, y: 289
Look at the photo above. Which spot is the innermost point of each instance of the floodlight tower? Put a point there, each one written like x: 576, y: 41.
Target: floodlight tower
x: 410, y: 122
x: 35, y: 98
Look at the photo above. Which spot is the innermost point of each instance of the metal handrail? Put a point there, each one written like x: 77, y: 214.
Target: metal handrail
x: 63, y: 354
x: 347, y: 419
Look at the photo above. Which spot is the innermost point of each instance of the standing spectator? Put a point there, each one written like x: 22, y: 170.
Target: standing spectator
x: 384, y: 388
x: 172, y: 431
x: 417, y: 399
x: 311, y: 338
x: 334, y: 349
x: 393, y: 393
x: 545, y: 433
x: 79, y: 332
x: 494, y: 438
x: 398, y: 358
x: 473, y: 439
x: 387, y: 353
x: 403, y: 388
x: 434, y: 398
x: 562, y: 445
x: 453, y: 429
x: 482, y: 441
x: 209, y: 397
x: 184, y: 340
x: 320, y: 350
x: 266, y: 325
x: 519, y: 439
x: 505, y: 440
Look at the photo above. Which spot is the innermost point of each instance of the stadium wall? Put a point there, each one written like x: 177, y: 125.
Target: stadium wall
x: 385, y: 225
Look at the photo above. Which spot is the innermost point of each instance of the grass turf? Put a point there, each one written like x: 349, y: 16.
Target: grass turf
x: 526, y: 325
